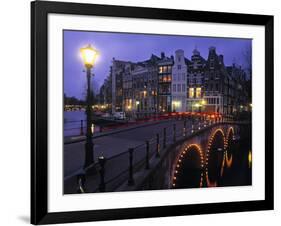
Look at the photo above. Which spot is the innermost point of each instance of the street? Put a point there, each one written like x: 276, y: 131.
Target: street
x: 115, y: 144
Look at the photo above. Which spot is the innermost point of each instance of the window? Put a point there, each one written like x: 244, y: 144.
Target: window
x: 179, y: 76
x: 191, y: 92
x: 179, y: 87
x: 198, y: 92
x: 179, y: 67
x: 183, y: 88
x: 169, y: 78
x: 174, y: 88
x: 179, y: 59
x: 183, y: 76
x: 174, y: 77
x: 160, y: 70
x: 169, y: 69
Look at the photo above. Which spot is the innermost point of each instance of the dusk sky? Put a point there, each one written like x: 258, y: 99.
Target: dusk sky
x: 136, y: 47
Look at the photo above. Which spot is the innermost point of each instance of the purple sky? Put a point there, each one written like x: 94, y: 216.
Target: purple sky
x: 136, y: 47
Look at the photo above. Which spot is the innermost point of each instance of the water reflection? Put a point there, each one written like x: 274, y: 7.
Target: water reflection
x: 228, y: 163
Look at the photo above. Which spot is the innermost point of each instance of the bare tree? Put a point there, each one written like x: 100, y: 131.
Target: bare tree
x: 247, y: 54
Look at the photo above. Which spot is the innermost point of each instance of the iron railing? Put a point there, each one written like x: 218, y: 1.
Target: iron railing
x: 114, y: 171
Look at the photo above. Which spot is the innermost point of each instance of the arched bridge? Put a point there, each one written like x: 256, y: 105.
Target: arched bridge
x: 204, y: 159
x: 202, y: 154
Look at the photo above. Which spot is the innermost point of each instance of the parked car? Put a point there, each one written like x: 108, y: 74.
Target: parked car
x: 106, y: 115
x: 119, y: 115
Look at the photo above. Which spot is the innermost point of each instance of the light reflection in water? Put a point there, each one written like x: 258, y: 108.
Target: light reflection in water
x: 228, y: 160
x: 250, y: 159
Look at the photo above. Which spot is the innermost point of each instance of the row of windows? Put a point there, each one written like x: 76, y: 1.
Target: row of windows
x: 179, y: 77
x: 164, y: 89
x: 195, y: 92
x: 212, y: 100
x: 212, y: 87
x: 165, y: 69
x: 179, y: 88
x: 165, y: 78
x: 194, y: 80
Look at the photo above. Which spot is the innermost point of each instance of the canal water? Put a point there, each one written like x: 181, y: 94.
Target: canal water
x: 231, y: 167
x: 72, y: 123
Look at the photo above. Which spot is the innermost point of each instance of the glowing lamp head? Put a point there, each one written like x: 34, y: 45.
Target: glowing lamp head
x: 89, y: 55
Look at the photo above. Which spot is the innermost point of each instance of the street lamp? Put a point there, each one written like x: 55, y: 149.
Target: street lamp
x: 89, y: 56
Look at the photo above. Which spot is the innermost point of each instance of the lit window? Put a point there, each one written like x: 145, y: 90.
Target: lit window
x: 169, y: 69
x: 191, y: 92
x: 198, y: 92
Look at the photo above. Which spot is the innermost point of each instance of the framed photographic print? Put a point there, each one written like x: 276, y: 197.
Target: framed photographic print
x: 144, y: 112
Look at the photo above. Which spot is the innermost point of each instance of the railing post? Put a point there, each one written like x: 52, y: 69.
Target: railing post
x: 81, y: 178
x: 89, y: 154
x: 147, y: 155
x: 174, y: 133
x: 81, y: 128
x: 199, y: 125
x: 164, y: 137
x: 102, y: 161
x: 184, y: 127
x: 131, y: 180
x: 192, y: 128
x: 157, y: 146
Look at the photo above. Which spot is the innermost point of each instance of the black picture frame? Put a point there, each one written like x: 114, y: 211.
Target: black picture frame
x: 39, y: 111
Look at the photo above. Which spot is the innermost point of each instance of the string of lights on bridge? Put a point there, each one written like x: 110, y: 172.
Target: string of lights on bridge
x: 227, y: 160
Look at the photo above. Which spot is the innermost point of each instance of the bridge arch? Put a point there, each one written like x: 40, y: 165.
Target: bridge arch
x: 229, y: 147
x: 187, y: 172
x: 229, y: 135
x: 215, y: 156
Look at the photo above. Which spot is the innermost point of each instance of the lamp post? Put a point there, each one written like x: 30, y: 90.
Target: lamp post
x: 89, y: 55
x: 138, y: 108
